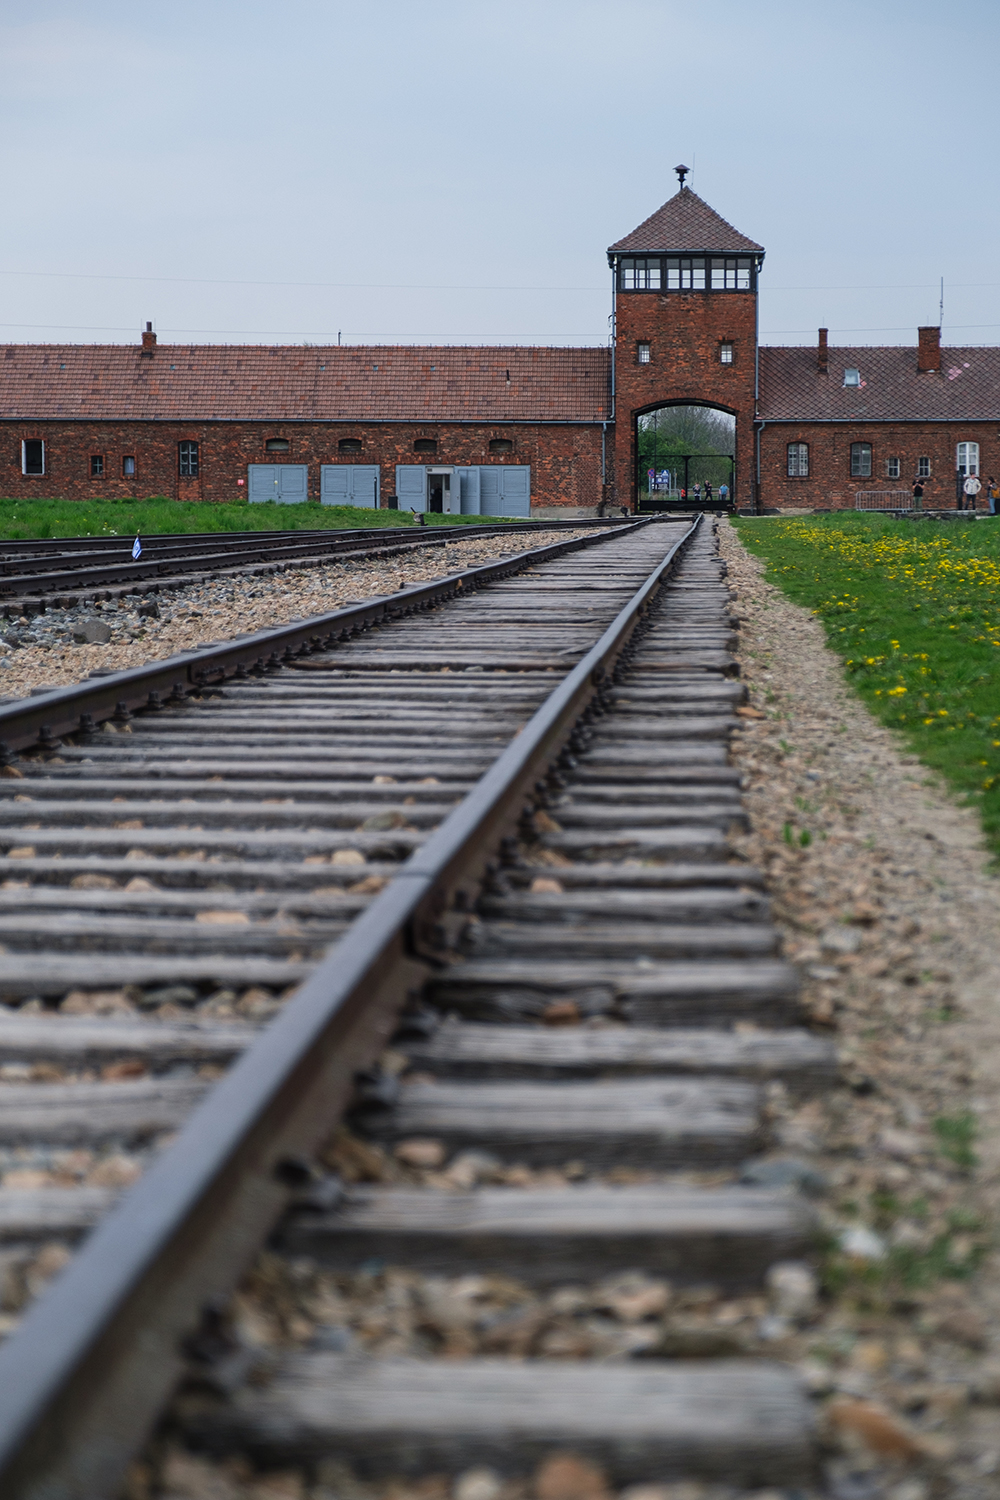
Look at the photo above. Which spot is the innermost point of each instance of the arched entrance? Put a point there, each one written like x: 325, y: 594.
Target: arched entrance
x: 685, y: 457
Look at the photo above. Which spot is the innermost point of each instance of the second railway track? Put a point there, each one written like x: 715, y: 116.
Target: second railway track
x: 505, y: 825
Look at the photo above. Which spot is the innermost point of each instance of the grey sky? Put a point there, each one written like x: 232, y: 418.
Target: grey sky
x: 453, y: 171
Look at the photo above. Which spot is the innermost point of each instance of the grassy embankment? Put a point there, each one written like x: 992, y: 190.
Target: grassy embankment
x: 914, y: 611
x: 20, y: 519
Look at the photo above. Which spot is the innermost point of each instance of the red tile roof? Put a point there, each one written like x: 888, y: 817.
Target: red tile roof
x: 262, y: 383
x: 685, y: 222
x: 966, y: 388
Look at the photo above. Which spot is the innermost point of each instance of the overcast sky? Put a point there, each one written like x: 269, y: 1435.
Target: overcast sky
x: 453, y: 171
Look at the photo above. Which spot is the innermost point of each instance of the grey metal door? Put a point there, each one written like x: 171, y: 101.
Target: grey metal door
x: 505, y: 490
x: 349, y: 484
x: 411, y: 486
x: 286, y: 484
x: 467, y: 481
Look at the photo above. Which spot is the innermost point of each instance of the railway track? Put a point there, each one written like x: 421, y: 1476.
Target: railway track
x: 459, y: 887
x: 61, y: 572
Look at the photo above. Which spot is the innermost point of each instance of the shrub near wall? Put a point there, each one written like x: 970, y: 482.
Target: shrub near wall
x: 914, y: 613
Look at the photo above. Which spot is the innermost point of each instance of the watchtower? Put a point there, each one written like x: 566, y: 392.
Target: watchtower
x: 685, y: 327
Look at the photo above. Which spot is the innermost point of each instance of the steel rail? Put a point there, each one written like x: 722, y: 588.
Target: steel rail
x: 78, y: 709
x: 84, y: 1377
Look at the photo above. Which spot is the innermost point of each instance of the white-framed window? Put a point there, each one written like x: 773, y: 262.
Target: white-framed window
x: 33, y: 457
x: 861, y: 460
x: 643, y: 354
x: 732, y: 274
x: 640, y: 275
x: 923, y: 468
x: 852, y: 376
x: 725, y: 353
x: 798, y: 460
x: 892, y: 468
x: 685, y: 273
x: 967, y: 458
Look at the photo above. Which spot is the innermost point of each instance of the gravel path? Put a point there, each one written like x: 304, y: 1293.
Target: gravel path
x: 891, y: 910
x: 41, y: 652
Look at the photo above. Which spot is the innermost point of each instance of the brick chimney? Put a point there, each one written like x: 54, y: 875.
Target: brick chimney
x: 928, y: 350
x: 823, y: 352
x: 148, y: 340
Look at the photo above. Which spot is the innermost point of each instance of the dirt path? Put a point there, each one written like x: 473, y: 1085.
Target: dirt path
x: 882, y: 888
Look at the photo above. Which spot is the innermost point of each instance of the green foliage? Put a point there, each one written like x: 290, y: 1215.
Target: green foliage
x: 913, y: 610
x: 158, y: 515
x: 955, y: 1134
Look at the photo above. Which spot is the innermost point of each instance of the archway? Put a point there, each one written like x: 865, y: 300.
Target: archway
x: 685, y: 456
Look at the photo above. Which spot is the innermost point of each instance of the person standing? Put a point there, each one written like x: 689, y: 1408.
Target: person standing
x: 992, y: 494
x: 708, y: 492
x: 696, y: 492
x: 971, y: 489
x: 918, y: 494
x: 723, y: 493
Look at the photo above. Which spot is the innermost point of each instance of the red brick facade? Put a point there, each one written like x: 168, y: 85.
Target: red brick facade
x: 565, y: 459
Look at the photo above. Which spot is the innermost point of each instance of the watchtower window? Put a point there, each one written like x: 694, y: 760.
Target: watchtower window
x: 33, y: 457
x: 798, y: 460
x: 725, y: 353
x: 861, y: 460
x: 643, y: 354
x: 187, y: 460
x: 277, y: 445
x: 501, y: 445
x: 640, y: 275
x: 425, y: 445
x: 685, y: 273
x: 731, y: 274
x: 350, y: 445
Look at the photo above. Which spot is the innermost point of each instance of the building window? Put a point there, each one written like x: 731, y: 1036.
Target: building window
x: 967, y: 458
x: 731, y: 274
x: 640, y: 275
x: 852, y: 376
x: 187, y: 459
x: 685, y: 273
x: 97, y: 466
x: 425, y: 445
x: 861, y: 460
x: 892, y: 468
x: 349, y: 445
x: 798, y: 460
x: 33, y: 457
x: 923, y: 468
x: 277, y: 445
x: 643, y: 350
x: 725, y: 354
x: 501, y: 445
x: 128, y: 467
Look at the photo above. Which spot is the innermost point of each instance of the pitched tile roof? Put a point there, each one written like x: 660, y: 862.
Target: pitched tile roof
x: 966, y: 388
x: 263, y: 383
x: 685, y: 222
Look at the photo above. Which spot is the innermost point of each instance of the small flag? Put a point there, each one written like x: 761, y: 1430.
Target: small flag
x: 137, y: 546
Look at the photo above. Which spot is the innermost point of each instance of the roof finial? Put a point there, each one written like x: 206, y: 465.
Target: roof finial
x: 682, y: 172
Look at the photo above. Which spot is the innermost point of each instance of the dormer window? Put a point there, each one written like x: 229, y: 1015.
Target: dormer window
x: 852, y: 376
x: 277, y: 445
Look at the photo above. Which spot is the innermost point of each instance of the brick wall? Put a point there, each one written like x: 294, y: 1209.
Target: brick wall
x: 684, y: 331
x: 829, y: 483
x: 565, y: 459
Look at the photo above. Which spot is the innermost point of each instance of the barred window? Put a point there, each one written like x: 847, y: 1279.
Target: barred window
x: 798, y: 460
x: 187, y: 460
x: 892, y: 468
x: 97, y: 466
x: 923, y: 468
x: 861, y: 460
x: 640, y: 275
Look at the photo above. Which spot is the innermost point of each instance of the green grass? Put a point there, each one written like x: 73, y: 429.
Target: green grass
x: 914, y: 612
x: 22, y: 519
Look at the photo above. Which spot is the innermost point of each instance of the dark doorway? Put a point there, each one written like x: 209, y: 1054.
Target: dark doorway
x: 438, y: 493
x: 685, y: 457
